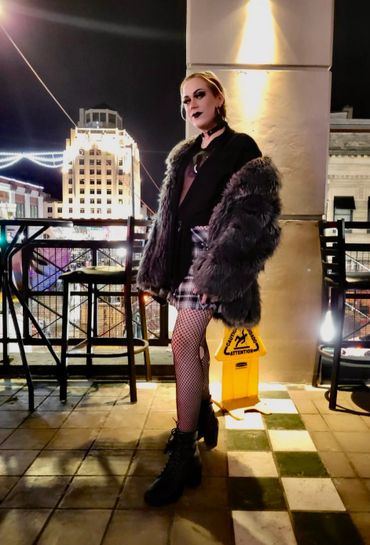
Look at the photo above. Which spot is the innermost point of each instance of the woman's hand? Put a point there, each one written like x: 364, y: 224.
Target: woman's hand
x: 205, y: 298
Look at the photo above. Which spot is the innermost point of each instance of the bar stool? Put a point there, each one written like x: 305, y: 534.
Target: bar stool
x: 339, y: 285
x: 93, y: 277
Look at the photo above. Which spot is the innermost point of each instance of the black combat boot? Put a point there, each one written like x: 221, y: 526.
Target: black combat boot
x: 183, y: 468
x: 207, y: 427
x: 208, y: 423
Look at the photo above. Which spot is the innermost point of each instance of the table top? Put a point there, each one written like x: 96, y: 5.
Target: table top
x: 37, y: 222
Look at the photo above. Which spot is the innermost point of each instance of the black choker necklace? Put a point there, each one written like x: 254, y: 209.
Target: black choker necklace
x: 216, y: 128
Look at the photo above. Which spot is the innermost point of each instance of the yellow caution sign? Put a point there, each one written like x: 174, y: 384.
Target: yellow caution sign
x: 239, y: 352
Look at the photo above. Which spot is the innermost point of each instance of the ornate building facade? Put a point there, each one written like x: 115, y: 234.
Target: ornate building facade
x: 101, y: 172
x: 348, y: 189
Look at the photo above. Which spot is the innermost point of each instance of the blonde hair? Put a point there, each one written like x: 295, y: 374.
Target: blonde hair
x: 214, y: 85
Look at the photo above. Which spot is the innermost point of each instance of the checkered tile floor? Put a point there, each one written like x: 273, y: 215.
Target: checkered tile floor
x: 76, y: 473
x: 279, y: 489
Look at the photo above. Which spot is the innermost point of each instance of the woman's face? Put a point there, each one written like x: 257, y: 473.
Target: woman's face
x: 200, y: 103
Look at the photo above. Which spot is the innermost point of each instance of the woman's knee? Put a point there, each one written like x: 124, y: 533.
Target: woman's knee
x: 184, y: 340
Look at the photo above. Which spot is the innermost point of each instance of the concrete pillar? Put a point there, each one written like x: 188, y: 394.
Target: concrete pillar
x: 274, y: 57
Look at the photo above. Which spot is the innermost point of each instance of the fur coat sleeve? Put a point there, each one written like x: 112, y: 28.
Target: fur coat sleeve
x: 153, y: 270
x: 243, y: 233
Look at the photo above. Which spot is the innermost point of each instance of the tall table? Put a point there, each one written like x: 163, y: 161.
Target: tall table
x: 18, y: 240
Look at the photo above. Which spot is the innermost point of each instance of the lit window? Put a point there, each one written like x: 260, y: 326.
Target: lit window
x: 20, y: 210
x: 34, y: 211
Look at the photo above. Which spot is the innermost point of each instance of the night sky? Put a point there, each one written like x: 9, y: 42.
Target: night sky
x: 130, y: 55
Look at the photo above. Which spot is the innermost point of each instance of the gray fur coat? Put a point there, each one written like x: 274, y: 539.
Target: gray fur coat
x: 243, y: 233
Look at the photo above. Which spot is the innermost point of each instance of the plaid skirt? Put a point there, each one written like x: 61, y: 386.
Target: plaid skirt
x: 183, y: 296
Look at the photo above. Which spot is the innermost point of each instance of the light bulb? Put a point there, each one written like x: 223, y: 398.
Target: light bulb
x: 327, y: 330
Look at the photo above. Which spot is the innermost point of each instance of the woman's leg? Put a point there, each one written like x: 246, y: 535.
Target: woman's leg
x: 191, y: 371
x: 205, y: 360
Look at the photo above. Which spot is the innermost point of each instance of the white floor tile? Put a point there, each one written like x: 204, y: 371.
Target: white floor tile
x: 285, y: 406
x: 272, y: 386
x: 248, y: 421
x: 262, y: 528
x: 147, y: 385
x: 312, y: 494
x: 291, y: 440
x: 251, y: 464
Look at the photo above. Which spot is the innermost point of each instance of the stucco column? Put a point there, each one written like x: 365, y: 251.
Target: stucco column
x: 274, y: 58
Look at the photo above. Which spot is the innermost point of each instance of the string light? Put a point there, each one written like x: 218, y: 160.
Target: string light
x: 48, y: 159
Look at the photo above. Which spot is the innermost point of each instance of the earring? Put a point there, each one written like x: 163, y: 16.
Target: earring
x: 219, y: 116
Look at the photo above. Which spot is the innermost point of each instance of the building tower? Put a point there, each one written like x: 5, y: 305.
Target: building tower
x: 101, y: 172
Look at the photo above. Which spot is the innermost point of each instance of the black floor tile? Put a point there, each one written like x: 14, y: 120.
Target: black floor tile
x: 246, y: 440
x: 281, y: 421
x: 325, y: 529
x: 300, y: 464
x: 256, y: 494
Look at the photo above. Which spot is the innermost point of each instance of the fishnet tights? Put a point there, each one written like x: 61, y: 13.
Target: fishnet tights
x: 191, y: 359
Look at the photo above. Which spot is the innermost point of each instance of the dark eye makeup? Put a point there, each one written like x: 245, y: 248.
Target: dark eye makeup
x: 198, y: 94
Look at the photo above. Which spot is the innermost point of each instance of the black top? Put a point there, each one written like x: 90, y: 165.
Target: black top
x: 227, y: 154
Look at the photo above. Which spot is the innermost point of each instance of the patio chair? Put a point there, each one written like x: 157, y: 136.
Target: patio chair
x: 338, y: 286
x: 96, y: 278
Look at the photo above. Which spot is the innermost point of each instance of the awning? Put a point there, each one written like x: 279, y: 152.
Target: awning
x: 344, y: 203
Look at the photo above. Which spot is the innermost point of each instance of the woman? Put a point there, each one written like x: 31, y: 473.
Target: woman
x: 216, y: 225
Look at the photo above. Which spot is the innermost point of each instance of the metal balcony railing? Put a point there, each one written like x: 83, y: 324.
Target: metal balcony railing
x: 43, y: 261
